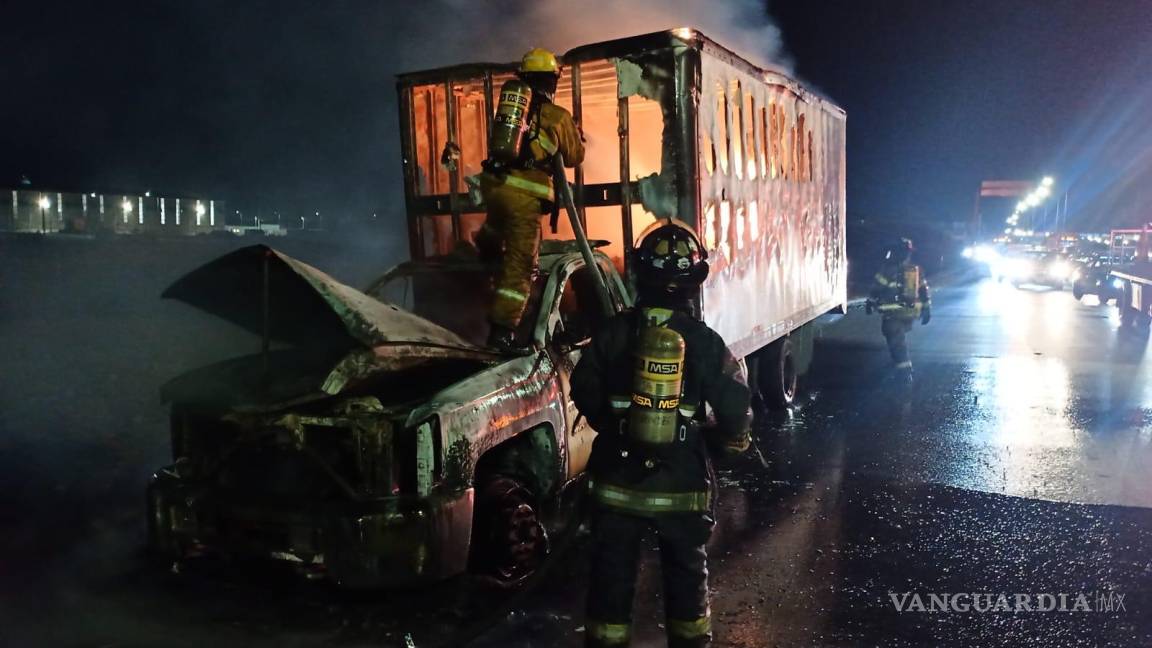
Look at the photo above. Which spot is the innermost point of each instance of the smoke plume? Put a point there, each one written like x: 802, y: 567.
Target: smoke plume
x: 451, y: 31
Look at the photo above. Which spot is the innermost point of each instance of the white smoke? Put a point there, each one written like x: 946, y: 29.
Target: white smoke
x: 443, y: 32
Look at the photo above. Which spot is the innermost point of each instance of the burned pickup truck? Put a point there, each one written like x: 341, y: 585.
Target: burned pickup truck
x: 371, y: 444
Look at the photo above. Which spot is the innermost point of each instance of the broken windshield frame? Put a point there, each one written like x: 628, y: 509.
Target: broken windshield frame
x: 454, y: 296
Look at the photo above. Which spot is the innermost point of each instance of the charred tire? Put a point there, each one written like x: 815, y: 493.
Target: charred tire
x: 509, y: 540
x: 777, y: 379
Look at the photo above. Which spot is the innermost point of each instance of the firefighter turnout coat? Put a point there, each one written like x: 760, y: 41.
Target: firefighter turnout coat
x: 516, y: 198
x: 667, y: 487
x: 679, y: 480
x: 900, y: 291
x: 901, y: 295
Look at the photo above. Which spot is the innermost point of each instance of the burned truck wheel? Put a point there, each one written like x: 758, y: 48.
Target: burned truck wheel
x: 509, y: 541
x: 777, y: 377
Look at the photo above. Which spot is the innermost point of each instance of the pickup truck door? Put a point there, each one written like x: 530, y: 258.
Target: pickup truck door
x: 579, y: 314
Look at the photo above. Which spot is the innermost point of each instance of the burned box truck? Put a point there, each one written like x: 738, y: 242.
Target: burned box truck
x: 676, y: 127
x: 373, y: 441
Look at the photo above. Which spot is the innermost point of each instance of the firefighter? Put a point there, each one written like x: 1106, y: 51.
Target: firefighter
x: 516, y: 186
x: 642, y: 384
x: 900, y: 293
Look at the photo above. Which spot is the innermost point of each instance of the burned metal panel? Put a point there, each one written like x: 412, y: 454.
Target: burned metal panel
x: 491, y: 407
x: 420, y: 540
x: 771, y: 179
x: 687, y: 97
x: 624, y: 47
x: 408, y: 167
x: 464, y: 71
x: 648, y: 78
x: 308, y: 308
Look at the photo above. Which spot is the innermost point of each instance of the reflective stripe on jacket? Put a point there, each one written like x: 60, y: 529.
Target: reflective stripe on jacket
x: 648, y: 502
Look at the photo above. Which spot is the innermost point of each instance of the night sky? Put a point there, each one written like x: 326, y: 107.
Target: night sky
x: 289, y: 105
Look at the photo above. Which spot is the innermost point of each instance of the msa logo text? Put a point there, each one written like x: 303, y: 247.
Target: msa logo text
x: 660, y: 404
x: 663, y: 368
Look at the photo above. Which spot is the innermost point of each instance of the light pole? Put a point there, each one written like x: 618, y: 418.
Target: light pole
x: 44, y: 203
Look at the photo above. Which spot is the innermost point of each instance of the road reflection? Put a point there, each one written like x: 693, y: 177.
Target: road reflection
x: 1058, y: 401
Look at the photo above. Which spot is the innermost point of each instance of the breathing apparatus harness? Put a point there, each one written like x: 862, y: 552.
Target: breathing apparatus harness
x: 659, y: 414
x: 514, y: 127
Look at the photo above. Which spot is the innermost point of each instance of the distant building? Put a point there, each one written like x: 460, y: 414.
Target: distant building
x: 263, y: 229
x: 28, y: 210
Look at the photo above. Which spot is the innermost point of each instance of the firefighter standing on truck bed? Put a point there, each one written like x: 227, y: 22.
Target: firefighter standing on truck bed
x: 527, y: 131
x: 642, y: 384
x: 900, y: 293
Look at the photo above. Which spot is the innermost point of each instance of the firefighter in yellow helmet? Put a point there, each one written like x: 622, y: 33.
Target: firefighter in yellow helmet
x: 528, y: 130
x: 900, y: 293
x: 642, y: 384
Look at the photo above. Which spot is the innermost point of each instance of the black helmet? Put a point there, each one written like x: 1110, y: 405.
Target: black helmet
x: 899, y: 250
x: 670, y: 257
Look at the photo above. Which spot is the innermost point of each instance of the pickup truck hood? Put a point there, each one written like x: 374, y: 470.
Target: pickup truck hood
x: 337, y: 336
x: 306, y: 307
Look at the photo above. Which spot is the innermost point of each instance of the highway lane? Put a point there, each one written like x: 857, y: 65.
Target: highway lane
x: 1016, y: 464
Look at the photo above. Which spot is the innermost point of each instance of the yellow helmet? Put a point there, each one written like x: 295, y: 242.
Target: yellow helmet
x: 540, y: 60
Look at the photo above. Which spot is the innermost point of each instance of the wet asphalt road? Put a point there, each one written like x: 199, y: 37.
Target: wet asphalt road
x: 1017, y: 464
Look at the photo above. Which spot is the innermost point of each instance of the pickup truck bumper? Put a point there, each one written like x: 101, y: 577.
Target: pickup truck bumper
x: 375, y: 543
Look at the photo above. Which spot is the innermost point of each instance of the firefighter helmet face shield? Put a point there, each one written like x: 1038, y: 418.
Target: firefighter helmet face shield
x: 669, y: 257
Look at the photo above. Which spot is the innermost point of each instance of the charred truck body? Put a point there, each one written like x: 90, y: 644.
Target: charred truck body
x: 374, y: 442
x: 676, y: 126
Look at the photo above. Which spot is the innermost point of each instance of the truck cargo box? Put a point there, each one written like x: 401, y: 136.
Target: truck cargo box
x: 677, y: 127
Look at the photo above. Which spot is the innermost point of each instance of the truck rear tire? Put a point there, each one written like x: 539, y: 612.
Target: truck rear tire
x: 777, y: 378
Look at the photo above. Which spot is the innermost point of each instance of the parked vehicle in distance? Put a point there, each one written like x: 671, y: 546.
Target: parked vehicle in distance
x: 1038, y: 268
x: 1133, y: 250
x: 1094, y: 277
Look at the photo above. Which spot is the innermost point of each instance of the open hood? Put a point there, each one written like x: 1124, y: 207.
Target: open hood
x: 336, y: 336
x: 306, y: 307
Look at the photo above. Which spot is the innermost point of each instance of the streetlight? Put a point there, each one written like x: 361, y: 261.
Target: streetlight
x: 44, y: 203
x: 126, y: 207
x: 1047, y: 181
